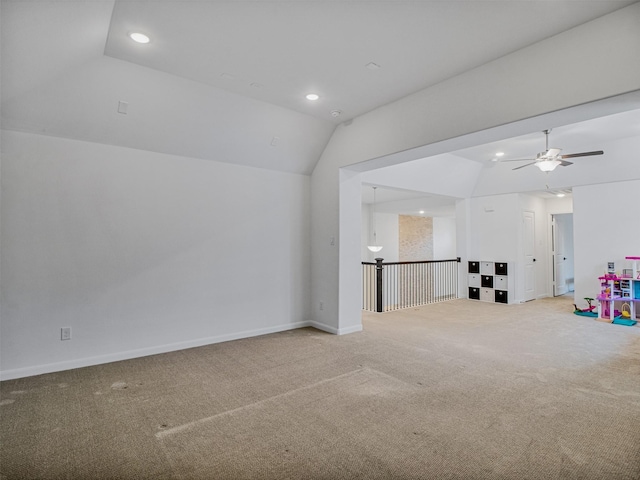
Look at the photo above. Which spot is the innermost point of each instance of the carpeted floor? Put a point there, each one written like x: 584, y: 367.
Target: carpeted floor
x: 458, y: 390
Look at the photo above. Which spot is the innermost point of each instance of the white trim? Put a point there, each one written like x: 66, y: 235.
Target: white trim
x: 352, y: 329
x: 334, y: 330
x: 323, y: 327
x: 143, y: 352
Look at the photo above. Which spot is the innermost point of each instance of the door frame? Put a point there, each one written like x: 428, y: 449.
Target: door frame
x: 550, y: 276
x: 556, y: 241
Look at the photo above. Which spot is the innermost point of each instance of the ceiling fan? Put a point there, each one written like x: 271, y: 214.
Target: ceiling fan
x: 551, y: 158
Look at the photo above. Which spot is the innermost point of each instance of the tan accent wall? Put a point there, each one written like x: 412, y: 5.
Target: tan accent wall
x: 415, y: 238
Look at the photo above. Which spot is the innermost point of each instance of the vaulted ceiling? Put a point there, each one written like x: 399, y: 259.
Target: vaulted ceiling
x: 226, y: 80
x: 477, y: 171
x: 355, y: 55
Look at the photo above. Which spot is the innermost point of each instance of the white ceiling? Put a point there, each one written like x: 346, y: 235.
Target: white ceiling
x: 225, y: 80
x: 408, y: 202
x: 278, y: 51
x: 574, y: 138
x: 601, y: 133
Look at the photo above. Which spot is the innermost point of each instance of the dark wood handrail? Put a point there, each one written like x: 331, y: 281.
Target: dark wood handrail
x: 419, y: 261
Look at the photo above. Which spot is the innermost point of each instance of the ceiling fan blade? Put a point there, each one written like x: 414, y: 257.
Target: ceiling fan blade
x: 553, y: 152
x: 564, y: 163
x: 522, y: 166
x: 519, y: 160
x: 583, y: 154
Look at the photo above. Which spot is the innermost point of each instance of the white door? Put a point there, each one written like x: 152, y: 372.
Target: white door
x: 529, y: 261
x: 559, y: 258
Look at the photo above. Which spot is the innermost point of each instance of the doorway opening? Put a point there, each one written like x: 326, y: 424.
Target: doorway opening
x: 562, y: 253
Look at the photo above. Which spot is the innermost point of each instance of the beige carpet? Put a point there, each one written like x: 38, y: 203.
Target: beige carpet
x: 460, y: 390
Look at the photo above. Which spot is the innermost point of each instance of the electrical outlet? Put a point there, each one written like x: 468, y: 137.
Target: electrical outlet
x: 65, y: 333
x: 321, y: 306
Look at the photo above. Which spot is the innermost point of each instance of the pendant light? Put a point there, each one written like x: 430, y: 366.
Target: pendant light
x: 375, y: 247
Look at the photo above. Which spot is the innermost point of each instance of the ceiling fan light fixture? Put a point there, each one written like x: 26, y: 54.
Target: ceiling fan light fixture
x: 548, y: 160
x: 548, y: 165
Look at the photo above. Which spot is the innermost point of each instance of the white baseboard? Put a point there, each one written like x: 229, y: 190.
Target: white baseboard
x: 323, y: 327
x: 334, y: 330
x: 143, y: 352
x: 352, y: 329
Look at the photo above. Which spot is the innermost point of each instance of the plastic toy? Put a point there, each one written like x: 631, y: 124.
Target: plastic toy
x: 626, y: 310
x: 619, y: 291
x: 586, y: 312
x: 590, y: 308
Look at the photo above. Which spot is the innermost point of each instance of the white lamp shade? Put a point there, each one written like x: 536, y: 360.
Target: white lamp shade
x: 548, y: 165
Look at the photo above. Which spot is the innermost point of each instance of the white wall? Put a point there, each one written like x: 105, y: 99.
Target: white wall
x: 365, y: 234
x: 445, y: 174
x: 493, y: 231
x: 387, y: 225
x: 463, y: 243
x: 606, y: 228
x: 444, y: 238
x: 386, y: 233
x: 495, y: 234
x: 495, y: 94
x: 180, y: 116
x: 559, y: 205
x: 142, y: 252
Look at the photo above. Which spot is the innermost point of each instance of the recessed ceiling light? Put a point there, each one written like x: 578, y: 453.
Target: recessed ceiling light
x: 312, y: 96
x: 499, y: 154
x: 494, y: 159
x: 421, y: 212
x: 560, y: 195
x: 139, y: 37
